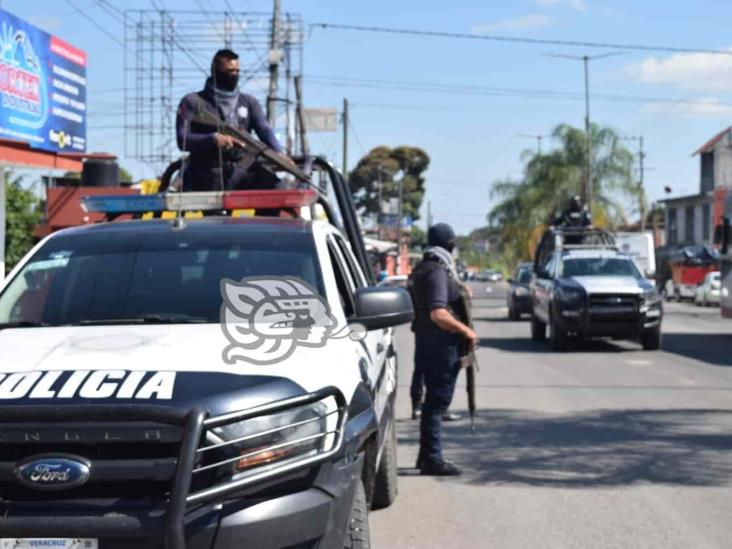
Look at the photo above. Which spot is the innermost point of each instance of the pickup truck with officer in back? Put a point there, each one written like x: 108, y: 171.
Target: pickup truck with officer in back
x: 210, y: 382
x: 583, y: 286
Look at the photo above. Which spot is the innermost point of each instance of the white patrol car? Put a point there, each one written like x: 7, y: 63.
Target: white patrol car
x: 205, y: 383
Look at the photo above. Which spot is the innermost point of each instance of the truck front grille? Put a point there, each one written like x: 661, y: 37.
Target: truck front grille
x: 128, y: 460
x: 613, y: 308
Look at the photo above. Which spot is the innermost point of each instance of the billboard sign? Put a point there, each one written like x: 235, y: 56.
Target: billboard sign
x: 320, y: 120
x: 42, y: 88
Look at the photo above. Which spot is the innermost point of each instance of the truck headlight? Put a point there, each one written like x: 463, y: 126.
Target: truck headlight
x: 276, y: 439
x: 520, y: 290
x: 570, y: 296
x: 651, y: 297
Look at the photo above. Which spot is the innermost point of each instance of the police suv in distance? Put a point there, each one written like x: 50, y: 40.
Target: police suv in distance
x: 205, y: 383
x: 594, y: 293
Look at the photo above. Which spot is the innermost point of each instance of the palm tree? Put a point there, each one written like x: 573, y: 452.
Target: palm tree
x: 551, y: 179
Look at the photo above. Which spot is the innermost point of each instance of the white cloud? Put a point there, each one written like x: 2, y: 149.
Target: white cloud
x: 696, y: 71
x: 576, y: 5
x: 709, y: 106
x: 530, y: 21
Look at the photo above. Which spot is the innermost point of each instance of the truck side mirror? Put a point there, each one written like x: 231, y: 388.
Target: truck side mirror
x: 382, y: 307
x: 649, y: 273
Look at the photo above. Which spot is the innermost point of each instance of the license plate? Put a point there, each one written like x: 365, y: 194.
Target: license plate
x: 49, y: 543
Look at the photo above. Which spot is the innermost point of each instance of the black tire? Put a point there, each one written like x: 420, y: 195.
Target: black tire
x: 651, y: 339
x: 538, y: 329
x: 386, y: 482
x: 357, y: 534
x: 557, y: 337
x: 513, y: 314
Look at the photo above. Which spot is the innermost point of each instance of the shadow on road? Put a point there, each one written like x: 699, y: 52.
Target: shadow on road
x: 590, y: 449
x: 710, y: 348
x: 528, y: 345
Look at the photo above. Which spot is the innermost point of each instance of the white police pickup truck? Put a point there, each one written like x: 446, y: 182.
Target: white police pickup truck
x: 206, y: 383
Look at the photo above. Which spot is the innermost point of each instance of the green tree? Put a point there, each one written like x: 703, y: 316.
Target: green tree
x: 389, y: 168
x: 550, y: 180
x: 22, y: 216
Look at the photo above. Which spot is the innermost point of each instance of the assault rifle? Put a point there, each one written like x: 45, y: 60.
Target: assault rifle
x: 255, y: 149
x: 468, y: 359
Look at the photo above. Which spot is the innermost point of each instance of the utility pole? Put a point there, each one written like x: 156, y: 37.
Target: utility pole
x: 588, y: 137
x: 380, y: 184
x: 302, y: 130
x: 587, y: 191
x: 641, y: 174
x: 275, y: 53
x: 345, y: 139
x: 642, y: 193
x: 538, y: 138
x: 400, y: 213
x: 429, y: 214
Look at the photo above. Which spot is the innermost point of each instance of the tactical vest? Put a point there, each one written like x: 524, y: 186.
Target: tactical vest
x: 418, y: 291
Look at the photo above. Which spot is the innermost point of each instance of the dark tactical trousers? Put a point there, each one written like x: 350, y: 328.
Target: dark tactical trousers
x: 437, y: 355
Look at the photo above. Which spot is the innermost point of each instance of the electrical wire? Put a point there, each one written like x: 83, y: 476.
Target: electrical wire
x: 433, y: 87
x: 515, y: 39
x: 96, y: 24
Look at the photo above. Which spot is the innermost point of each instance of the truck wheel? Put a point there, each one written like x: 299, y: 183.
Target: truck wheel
x: 386, y: 482
x: 651, y: 339
x: 513, y: 314
x: 357, y: 534
x: 557, y: 337
x: 538, y: 329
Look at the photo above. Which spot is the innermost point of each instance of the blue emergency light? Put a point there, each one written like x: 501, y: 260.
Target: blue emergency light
x: 118, y: 204
x: 193, y: 201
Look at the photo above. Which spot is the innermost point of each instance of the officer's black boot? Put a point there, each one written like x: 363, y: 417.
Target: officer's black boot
x: 438, y: 469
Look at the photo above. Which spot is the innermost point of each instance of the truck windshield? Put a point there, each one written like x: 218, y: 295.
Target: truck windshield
x: 524, y: 276
x: 127, y: 277
x: 599, y: 266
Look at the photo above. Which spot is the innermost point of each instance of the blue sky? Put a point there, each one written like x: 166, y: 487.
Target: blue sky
x: 473, y: 137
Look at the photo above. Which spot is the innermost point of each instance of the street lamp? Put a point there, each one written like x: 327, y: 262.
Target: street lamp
x: 588, y: 169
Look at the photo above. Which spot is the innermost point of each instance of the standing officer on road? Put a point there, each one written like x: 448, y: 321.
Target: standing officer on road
x: 435, y: 292
x: 218, y: 159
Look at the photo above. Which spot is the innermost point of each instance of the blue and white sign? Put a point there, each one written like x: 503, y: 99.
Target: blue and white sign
x: 42, y: 88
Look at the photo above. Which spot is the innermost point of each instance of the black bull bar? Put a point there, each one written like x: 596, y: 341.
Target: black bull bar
x: 194, y: 422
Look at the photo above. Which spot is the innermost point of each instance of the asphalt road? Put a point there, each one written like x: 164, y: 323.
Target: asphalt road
x: 607, y: 446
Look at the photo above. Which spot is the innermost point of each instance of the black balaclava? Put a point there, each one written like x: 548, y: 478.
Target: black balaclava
x: 441, y: 235
x: 575, y: 204
x: 224, y: 80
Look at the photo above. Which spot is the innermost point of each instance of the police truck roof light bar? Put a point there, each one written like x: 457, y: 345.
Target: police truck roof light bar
x: 269, y: 199
x: 193, y: 201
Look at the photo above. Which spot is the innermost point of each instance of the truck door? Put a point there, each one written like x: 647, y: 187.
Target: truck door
x: 544, y: 289
x: 375, y: 342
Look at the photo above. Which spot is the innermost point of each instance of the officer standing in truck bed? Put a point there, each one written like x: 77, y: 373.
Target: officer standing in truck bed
x: 218, y: 160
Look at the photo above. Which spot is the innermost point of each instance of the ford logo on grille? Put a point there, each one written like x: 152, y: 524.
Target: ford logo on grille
x: 53, y: 472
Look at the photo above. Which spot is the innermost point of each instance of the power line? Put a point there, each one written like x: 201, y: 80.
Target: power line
x: 515, y: 39
x: 436, y: 87
x: 97, y: 25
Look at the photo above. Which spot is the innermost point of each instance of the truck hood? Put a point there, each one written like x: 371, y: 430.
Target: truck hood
x: 609, y: 284
x: 160, y: 364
